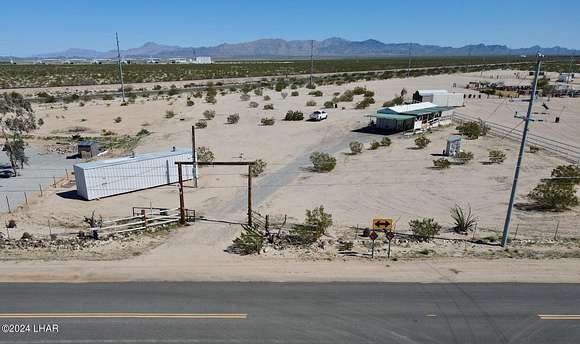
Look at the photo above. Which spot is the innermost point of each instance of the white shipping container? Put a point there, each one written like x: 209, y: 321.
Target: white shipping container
x: 104, y: 178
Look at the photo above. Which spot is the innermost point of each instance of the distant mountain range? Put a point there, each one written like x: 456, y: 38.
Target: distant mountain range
x: 331, y: 47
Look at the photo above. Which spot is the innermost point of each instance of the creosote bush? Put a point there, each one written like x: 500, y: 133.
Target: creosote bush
x: 250, y: 241
x: 317, y: 93
x: 170, y: 114
x: 311, y: 103
x: 385, y: 142
x: 356, y: 147
x: 322, y: 162
x: 374, y: 145
x: 422, y: 141
x: 204, y: 154
x: 245, y: 97
x: 496, y: 156
x: 294, y: 115
x: 424, y: 229
x: 234, y: 118
x: 189, y: 102
x: 209, y: 114
x: 118, y: 119
x: 554, y: 196
x: 294, y: 94
x: 328, y: 104
x: 463, y: 157
x: 269, y: 107
x: 441, y: 163
x: 471, y: 130
x: 267, y: 121
x: 202, y: 123
x: 258, y: 168
x: 253, y: 105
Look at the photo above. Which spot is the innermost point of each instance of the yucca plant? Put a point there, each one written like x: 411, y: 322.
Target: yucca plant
x: 464, y: 219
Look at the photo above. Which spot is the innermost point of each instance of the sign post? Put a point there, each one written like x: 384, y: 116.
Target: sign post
x: 390, y: 236
x: 373, y: 237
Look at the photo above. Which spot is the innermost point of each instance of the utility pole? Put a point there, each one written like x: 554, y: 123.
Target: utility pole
x: 250, y: 195
x: 311, y: 61
x: 120, y: 68
x: 194, y: 155
x: 409, y: 65
x: 527, y: 119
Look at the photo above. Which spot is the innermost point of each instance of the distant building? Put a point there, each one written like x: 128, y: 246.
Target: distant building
x: 88, y: 149
x: 566, y: 77
x: 415, y: 117
x: 440, y: 97
x: 203, y: 60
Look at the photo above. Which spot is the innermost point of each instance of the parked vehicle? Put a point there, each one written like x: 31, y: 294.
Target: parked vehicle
x: 7, y: 173
x: 318, y: 115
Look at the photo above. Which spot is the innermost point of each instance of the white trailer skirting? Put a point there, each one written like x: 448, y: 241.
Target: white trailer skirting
x: 104, y: 178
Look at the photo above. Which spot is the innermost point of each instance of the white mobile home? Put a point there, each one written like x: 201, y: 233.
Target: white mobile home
x: 441, y: 97
x: 415, y: 117
x: 104, y: 178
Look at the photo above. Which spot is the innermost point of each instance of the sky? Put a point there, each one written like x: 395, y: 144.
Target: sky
x: 33, y: 26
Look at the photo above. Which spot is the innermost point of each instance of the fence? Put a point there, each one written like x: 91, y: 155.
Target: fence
x: 143, y: 218
x: 566, y: 151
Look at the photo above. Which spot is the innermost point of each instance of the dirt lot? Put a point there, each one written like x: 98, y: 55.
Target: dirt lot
x: 396, y: 182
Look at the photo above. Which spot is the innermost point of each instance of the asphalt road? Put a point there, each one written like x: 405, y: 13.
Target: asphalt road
x: 291, y: 313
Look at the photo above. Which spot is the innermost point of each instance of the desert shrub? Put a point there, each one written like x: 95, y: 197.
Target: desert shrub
x: 424, y: 229
x: 365, y: 103
x: 81, y: 104
x: 258, y: 168
x: 172, y: 90
x: 386, y: 142
x: 311, y: 103
x: 204, y: 154
x: 566, y: 174
x: 294, y: 94
x: 554, y: 196
x: 189, y: 102
x: 316, y: 222
x: 356, y: 147
x: 316, y: 93
x: 284, y: 95
x: 244, y: 97
x: 496, y: 156
x: 41, y: 122
x: 534, y: 149
x: 441, y: 163
x: 398, y: 100
x: 359, y: 90
x: 464, y: 157
x: 345, y: 97
x: 269, y: 107
x: 258, y: 92
x: 210, y: 98
x: 170, y: 114
x: 107, y: 132
x: 322, y: 162
x: 108, y: 97
x: 329, y: 104
x: 267, y: 121
x: 294, y: 116
x: 234, y: 118
x: 197, y: 94
x: 267, y: 98
x: 202, y: 123
x: 374, y: 145
x: 143, y: 132
x: 157, y: 87
x: 280, y: 85
x: 463, y: 220
x: 209, y: 114
x: 471, y: 130
x: 118, y: 119
x: 422, y: 141
x: 253, y: 105
x: 250, y: 241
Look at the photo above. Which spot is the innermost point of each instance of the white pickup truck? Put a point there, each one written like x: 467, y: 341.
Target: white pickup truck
x: 318, y: 115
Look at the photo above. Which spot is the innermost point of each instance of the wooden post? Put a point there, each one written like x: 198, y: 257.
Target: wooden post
x: 516, y: 233
x: 25, y: 198
x: 66, y: 171
x: 8, y: 203
x: 556, y: 231
x: 40, y: 187
x: 250, y: 195
x: 53, y: 181
x: 194, y: 155
x: 267, y: 224
x: 144, y: 218
x: 181, y: 200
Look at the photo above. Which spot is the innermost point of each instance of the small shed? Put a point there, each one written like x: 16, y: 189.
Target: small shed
x: 453, y: 145
x: 110, y: 177
x: 88, y: 149
x: 419, y: 116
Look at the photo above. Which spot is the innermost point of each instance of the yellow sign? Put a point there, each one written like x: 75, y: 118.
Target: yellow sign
x: 383, y: 224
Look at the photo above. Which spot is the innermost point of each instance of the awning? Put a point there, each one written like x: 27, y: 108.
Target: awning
x: 392, y: 116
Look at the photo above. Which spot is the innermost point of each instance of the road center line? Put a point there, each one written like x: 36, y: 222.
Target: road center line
x: 125, y: 315
x: 559, y: 316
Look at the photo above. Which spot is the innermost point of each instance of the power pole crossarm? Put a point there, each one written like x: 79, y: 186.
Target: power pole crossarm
x: 527, y: 120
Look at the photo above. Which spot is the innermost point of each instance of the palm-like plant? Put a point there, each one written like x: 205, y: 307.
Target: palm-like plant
x: 464, y: 219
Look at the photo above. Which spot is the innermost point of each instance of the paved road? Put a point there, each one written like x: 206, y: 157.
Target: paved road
x: 294, y: 313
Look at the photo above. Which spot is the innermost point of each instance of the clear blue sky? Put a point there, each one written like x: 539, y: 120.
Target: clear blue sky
x: 33, y: 26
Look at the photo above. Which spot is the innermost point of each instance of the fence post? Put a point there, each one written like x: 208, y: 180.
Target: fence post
x: 25, y: 198
x: 40, y: 187
x: 54, y: 181
x: 8, y: 203
x: 516, y: 233
x: 556, y: 230
x: 144, y: 218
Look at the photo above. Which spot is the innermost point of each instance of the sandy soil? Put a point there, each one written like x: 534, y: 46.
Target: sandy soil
x: 396, y: 182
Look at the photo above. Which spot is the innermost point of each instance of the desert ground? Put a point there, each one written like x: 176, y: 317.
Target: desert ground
x: 396, y: 182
